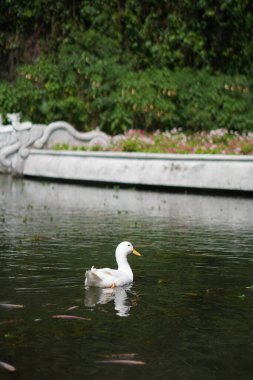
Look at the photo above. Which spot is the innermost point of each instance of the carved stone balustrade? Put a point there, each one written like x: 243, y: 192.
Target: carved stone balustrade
x: 18, y: 138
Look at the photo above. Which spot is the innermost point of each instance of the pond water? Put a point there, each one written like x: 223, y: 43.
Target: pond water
x: 188, y: 314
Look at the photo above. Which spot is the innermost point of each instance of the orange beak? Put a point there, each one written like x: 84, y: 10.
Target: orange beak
x: 136, y: 252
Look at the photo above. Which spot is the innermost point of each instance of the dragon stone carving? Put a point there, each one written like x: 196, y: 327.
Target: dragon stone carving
x: 18, y: 138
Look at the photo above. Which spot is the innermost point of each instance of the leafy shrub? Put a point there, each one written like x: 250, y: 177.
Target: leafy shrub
x: 90, y: 91
x: 215, y: 101
x: 199, y: 34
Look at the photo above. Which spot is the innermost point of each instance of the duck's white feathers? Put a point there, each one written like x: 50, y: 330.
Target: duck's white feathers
x: 107, y: 277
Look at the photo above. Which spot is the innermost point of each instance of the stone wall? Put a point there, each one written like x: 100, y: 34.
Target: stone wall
x: 181, y: 171
x: 25, y: 150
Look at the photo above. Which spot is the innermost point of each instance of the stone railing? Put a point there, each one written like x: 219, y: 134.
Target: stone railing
x: 25, y: 150
x: 18, y: 138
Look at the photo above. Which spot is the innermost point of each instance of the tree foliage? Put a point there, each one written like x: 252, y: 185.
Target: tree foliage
x: 130, y: 63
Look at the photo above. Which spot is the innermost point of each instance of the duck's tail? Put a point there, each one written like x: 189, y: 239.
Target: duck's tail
x: 91, y: 278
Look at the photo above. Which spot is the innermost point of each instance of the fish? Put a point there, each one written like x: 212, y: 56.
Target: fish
x: 67, y: 316
x: 121, y: 361
x: 123, y: 358
x: 7, y: 366
x: 11, y: 306
x: 72, y: 308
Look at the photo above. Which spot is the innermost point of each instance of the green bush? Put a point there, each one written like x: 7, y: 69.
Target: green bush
x: 90, y: 91
x: 199, y: 34
x: 215, y: 101
x: 131, y: 64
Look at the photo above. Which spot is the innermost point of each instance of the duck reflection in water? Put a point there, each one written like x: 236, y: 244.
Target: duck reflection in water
x: 101, y: 296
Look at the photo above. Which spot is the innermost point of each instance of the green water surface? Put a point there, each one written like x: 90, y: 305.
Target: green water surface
x: 188, y: 314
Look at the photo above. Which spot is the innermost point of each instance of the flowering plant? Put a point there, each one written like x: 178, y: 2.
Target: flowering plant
x: 218, y: 141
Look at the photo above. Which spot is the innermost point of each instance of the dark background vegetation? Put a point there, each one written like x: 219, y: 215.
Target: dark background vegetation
x: 128, y: 64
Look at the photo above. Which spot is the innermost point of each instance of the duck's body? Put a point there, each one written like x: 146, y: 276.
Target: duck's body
x: 107, y: 277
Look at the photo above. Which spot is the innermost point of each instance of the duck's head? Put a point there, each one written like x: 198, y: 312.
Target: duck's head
x: 125, y: 248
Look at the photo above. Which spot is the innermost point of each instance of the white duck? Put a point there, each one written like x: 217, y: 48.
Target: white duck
x: 110, y: 278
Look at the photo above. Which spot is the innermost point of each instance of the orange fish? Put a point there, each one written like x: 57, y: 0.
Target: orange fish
x: 122, y: 361
x: 7, y: 366
x: 66, y: 316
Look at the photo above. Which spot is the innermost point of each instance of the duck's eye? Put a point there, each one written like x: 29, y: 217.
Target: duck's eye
x: 129, y: 245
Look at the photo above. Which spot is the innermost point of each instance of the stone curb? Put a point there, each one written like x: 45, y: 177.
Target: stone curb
x: 196, y: 172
